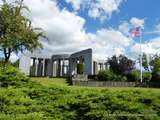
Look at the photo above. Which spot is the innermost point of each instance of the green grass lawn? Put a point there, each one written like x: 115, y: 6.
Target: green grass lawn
x: 54, y: 99
x: 50, y: 82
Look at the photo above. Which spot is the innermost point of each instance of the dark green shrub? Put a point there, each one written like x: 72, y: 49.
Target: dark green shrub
x: 134, y: 76
x: 147, y: 76
x: 80, y: 68
x: 156, y: 71
x: 11, y: 76
x: 103, y: 75
x: 108, y: 75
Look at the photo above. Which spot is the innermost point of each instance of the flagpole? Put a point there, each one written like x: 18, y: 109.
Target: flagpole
x: 141, y: 75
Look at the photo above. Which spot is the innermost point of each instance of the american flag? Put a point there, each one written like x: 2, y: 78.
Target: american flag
x: 135, y: 32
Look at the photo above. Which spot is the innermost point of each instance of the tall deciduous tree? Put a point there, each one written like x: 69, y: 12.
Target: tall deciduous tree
x: 156, y: 69
x: 16, y: 31
x: 145, y: 62
x: 121, y: 64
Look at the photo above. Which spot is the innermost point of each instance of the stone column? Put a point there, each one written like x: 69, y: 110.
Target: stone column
x: 104, y: 68
x: 36, y: 66
x: 51, y: 68
x: 58, y: 67
x: 54, y: 68
x: 40, y: 67
x: 100, y: 65
x: 43, y: 73
x: 71, y: 66
x: 63, y: 67
x: 95, y: 68
x: 33, y: 68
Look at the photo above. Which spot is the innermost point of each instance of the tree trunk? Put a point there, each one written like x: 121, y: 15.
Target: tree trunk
x: 7, y: 54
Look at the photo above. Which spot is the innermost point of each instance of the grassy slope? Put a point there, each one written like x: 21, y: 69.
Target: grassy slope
x: 51, y: 82
x: 53, y: 99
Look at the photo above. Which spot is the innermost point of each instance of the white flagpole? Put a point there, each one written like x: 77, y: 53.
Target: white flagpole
x: 141, y: 76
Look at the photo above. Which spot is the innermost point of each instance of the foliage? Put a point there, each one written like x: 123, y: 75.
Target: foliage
x: 16, y: 31
x: 12, y: 77
x: 108, y: 75
x: 156, y: 70
x: 33, y: 101
x: 134, y: 76
x: 49, y: 82
x: 121, y: 64
x: 147, y: 76
x: 145, y: 62
x: 80, y: 68
x: 16, y: 63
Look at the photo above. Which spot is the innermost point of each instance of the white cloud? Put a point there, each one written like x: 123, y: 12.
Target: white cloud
x: 146, y: 48
x: 1, y: 2
x: 136, y: 22
x: 155, y: 43
x: 94, y: 13
x: 77, y: 3
x: 152, y: 47
x: 67, y: 34
x: 101, y: 9
x: 124, y: 28
x: 62, y: 27
x: 158, y: 28
x: 108, y: 42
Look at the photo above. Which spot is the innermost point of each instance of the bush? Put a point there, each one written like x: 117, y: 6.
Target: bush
x: 156, y: 71
x: 134, y: 76
x: 80, y: 68
x: 147, y: 76
x: 108, y: 75
x: 77, y: 103
x: 11, y: 76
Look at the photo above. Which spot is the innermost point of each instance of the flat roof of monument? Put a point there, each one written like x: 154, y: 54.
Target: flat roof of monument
x: 34, y: 55
x: 61, y: 56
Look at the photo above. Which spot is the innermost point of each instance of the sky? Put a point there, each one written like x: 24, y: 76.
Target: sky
x: 103, y: 25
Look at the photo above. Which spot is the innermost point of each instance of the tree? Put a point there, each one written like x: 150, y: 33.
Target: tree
x: 80, y: 68
x: 16, y: 31
x: 145, y: 62
x: 156, y: 69
x: 121, y: 64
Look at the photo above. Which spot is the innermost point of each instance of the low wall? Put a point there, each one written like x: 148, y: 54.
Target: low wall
x: 104, y: 83
x: 80, y: 77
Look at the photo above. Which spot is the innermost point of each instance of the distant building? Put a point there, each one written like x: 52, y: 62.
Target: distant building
x: 61, y: 64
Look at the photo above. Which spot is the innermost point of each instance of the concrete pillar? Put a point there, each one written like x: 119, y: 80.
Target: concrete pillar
x: 36, y: 66
x: 59, y: 67
x: 33, y: 68
x: 51, y: 68
x: 95, y: 68
x: 54, y: 68
x: 101, y: 66
x: 43, y: 72
x: 40, y: 67
x: 71, y: 66
x: 63, y: 67
x: 105, y: 66
x: 24, y: 64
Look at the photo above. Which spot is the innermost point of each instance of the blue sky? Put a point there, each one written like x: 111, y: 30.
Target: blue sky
x: 142, y: 9
x: 103, y: 25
